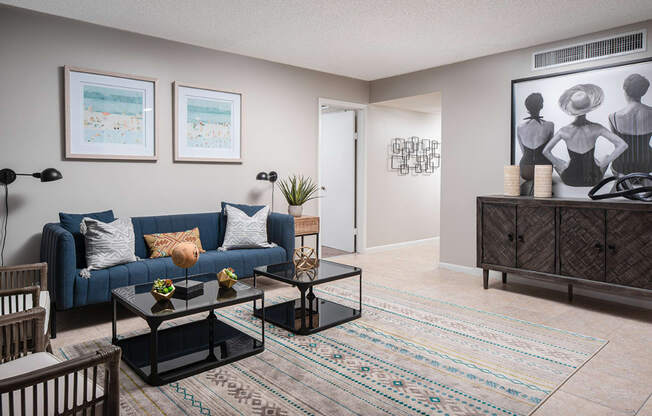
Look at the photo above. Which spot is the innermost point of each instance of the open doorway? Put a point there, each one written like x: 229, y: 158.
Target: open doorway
x: 340, y: 160
x: 404, y: 173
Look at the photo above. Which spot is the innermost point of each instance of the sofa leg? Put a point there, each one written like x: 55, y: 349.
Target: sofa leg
x: 53, y: 321
x: 485, y: 278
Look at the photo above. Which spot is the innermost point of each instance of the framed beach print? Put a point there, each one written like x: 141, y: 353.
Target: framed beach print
x: 207, y: 125
x: 109, y: 115
x: 588, y: 124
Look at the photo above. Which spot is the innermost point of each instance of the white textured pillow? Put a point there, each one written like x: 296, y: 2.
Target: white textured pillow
x: 243, y: 231
x: 107, y: 244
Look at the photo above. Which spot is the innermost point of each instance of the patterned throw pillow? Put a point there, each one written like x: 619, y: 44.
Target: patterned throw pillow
x: 162, y: 244
x: 107, y: 244
x: 243, y: 231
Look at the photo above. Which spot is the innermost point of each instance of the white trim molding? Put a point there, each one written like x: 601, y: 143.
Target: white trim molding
x: 392, y: 246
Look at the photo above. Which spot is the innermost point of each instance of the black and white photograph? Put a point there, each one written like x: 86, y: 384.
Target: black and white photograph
x: 588, y: 125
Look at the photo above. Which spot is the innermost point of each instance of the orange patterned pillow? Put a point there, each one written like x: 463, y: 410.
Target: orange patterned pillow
x: 162, y: 244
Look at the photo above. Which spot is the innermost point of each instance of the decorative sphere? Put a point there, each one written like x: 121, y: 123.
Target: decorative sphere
x: 185, y: 255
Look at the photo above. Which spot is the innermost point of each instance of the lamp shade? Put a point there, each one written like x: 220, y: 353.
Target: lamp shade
x: 262, y: 176
x: 272, y: 176
x: 48, y: 175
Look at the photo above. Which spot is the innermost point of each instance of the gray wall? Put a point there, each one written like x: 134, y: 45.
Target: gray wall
x: 476, y: 111
x: 280, y: 124
x: 399, y: 208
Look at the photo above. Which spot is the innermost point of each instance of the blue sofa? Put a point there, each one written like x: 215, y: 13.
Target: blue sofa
x: 70, y: 290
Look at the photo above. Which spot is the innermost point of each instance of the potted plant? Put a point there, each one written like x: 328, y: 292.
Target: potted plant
x: 297, y: 190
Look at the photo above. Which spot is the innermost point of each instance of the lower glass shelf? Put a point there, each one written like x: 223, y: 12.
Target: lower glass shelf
x: 187, y: 349
x: 320, y: 314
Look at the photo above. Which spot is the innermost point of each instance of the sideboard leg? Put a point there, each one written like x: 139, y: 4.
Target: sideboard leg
x: 504, y: 277
x: 570, y: 292
x: 485, y: 278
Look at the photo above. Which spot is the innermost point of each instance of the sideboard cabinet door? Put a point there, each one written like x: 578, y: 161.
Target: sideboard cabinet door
x: 535, y: 241
x: 499, y: 234
x: 629, y: 248
x: 582, y: 243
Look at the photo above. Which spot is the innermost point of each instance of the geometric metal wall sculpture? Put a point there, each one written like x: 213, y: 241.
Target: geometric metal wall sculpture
x: 419, y: 156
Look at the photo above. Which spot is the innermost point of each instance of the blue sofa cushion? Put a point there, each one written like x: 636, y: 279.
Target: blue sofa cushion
x: 98, y: 288
x: 247, y: 209
x: 208, y: 224
x: 71, y: 222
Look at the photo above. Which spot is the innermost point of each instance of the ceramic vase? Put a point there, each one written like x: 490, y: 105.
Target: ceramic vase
x: 542, y: 181
x: 512, y: 181
x: 295, y: 210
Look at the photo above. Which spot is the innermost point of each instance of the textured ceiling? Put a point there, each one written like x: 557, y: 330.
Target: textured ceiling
x: 366, y: 39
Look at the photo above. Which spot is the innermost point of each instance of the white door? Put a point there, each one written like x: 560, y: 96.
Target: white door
x: 337, y: 162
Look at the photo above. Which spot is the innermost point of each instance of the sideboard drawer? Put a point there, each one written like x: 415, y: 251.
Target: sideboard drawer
x: 499, y: 234
x: 535, y: 241
x: 581, y: 243
x: 629, y: 248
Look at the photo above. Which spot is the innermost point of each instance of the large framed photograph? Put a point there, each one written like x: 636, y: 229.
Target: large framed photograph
x: 109, y: 115
x: 588, y: 124
x: 207, y: 125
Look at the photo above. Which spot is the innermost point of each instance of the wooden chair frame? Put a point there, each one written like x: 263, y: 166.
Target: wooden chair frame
x: 22, y: 279
x: 14, y: 344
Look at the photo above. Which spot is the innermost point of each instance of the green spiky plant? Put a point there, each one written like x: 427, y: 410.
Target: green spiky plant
x: 298, y: 189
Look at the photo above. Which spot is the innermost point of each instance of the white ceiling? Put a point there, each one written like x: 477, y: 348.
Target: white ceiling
x: 366, y: 39
x: 425, y: 103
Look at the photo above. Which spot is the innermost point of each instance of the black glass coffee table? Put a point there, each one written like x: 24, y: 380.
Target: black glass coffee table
x: 167, y: 354
x: 308, y: 314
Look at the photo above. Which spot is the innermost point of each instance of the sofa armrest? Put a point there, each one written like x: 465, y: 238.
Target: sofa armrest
x: 281, y: 231
x: 58, y: 251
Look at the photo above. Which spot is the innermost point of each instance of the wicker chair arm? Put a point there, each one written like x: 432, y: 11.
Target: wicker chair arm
x: 108, y: 356
x: 24, y: 275
x: 14, y: 335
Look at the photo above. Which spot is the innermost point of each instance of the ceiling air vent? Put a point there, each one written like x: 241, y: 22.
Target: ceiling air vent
x: 622, y: 44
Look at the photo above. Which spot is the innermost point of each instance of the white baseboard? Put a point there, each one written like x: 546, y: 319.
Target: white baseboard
x: 583, y: 291
x: 399, y: 245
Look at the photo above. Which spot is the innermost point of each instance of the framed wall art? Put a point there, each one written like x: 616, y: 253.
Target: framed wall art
x: 109, y: 115
x: 207, y: 125
x: 588, y: 124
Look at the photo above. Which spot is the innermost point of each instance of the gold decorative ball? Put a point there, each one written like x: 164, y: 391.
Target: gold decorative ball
x: 305, y: 258
x: 185, y: 255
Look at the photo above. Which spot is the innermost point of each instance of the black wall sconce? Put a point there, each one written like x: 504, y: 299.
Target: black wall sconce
x: 272, y: 176
x: 7, y: 177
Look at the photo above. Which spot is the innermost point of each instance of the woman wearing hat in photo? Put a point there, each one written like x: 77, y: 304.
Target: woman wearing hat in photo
x: 583, y: 169
x: 533, y: 134
x: 633, y: 124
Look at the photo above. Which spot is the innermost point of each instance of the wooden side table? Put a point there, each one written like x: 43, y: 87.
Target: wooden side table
x: 306, y: 226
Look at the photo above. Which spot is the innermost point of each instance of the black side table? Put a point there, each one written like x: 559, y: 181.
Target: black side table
x: 308, y: 314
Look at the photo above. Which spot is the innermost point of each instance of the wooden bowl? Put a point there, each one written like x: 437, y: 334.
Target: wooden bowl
x: 162, y: 296
x: 224, y: 280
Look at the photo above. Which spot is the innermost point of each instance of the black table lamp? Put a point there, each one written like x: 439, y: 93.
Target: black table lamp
x: 8, y: 176
x: 272, y: 177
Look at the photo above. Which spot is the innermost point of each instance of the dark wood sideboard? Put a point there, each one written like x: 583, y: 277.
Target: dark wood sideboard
x: 599, y: 244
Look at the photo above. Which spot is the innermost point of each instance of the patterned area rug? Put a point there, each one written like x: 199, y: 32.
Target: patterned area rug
x: 408, y: 355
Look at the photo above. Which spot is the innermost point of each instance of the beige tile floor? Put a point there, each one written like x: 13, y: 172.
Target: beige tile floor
x: 616, y: 381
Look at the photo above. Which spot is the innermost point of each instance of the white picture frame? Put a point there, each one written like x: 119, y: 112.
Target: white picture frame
x: 109, y: 115
x: 207, y: 125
